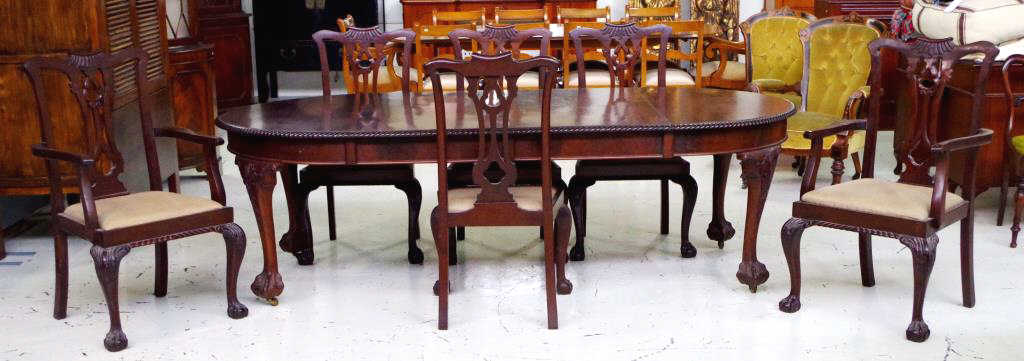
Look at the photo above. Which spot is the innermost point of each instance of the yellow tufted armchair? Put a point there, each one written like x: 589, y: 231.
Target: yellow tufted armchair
x: 775, y: 55
x: 835, y: 73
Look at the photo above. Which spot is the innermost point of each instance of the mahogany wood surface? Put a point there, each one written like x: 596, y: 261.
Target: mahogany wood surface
x: 585, y: 124
x: 194, y: 97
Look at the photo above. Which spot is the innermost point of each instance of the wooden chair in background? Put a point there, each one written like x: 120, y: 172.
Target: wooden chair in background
x: 567, y: 15
x: 450, y: 81
x: 917, y: 206
x: 1014, y: 150
x: 498, y: 199
x: 477, y: 17
x: 586, y: 53
x: 368, y: 58
x: 521, y: 16
x: 641, y: 14
x: 676, y: 73
x: 723, y: 68
x: 628, y: 41
x: 109, y: 217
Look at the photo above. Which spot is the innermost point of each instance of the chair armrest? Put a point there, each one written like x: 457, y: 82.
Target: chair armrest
x: 982, y: 137
x: 188, y: 135
x: 856, y: 124
x: 941, y: 152
x: 80, y: 160
x: 84, y: 165
x: 817, y: 137
x: 855, y: 101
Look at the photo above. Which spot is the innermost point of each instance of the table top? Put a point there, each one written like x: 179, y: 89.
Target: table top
x: 558, y: 31
x: 583, y: 111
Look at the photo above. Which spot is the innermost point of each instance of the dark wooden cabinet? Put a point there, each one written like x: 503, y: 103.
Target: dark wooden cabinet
x: 223, y: 24
x: 193, y: 96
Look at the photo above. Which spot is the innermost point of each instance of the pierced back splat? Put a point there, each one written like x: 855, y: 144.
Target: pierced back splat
x: 622, y: 46
x: 91, y: 81
x: 926, y: 69
x: 496, y: 39
x: 492, y: 89
x: 366, y: 52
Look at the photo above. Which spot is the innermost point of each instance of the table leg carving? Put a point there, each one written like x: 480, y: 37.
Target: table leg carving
x: 260, y: 178
x: 720, y: 229
x: 758, y: 168
x: 299, y: 238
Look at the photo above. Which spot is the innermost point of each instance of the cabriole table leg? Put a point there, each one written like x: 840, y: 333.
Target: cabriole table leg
x: 260, y: 178
x: 758, y: 168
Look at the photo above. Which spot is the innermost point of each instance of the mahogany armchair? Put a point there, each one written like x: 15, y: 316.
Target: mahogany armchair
x: 497, y: 199
x: 628, y: 40
x: 1014, y: 150
x: 111, y: 218
x: 918, y: 205
x: 369, y: 60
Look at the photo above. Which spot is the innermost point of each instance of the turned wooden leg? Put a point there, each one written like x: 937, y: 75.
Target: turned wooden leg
x: 838, y: 154
x: 563, y: 227
x: 414, y: 196
x: 689, y: 185
x: 441, y: 287
x: 923, y: 252
x: 107, y: 262
x: 60, y: 289
x: 234, y: 242
x: 577, y: 193
x: 857, y: 167
x: 332, y: 220
x: 299, y: 238
x: 160, y: 284
x: 664, y: 206
x: 260, y: 179
x: 791, y: 232
x: 1018, y: 205
x: 719, y: 229
x: 758, y: 168
x: 867, y: 267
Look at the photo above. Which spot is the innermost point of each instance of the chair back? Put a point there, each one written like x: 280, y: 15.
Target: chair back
x: 925, y: 68
x: 836, y: 62
x: 721, y: 14
x: 640, y: 14
x: 520, y: 16
x: 677, y: 51
x: 367, y: 58
x: 476, y: 17
x: 423, y: 53
x: 774, y: 49
x: 567, y: 15
x: 495, y: 39
x: 493, y: 91
x: 1012, y: 101
x: 90, y: 79
x: 622, y: 47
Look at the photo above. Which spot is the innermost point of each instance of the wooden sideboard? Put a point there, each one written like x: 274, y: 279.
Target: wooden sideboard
x: 878, y: 9
x: 194, y: 97
x: 420, y: 11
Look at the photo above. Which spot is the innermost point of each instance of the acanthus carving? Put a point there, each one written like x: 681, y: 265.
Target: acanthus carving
x: 257, y: 173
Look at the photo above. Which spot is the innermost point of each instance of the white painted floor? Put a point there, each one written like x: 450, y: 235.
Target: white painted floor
x: 634, y: 297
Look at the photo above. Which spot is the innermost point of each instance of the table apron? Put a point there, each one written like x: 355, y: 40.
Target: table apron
x: 392, y: 150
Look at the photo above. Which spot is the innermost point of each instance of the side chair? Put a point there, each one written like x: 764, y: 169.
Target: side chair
x: 1014, y: 150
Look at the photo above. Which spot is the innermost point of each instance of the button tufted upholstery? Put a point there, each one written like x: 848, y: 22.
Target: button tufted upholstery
x: 839, y: 65
x: 775, y: 49
x: 804, y: 121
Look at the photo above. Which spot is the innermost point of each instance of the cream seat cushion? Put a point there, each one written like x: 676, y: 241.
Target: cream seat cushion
x: 527, y: 198
x: 449, y: 81
x: 734, y: 70
x: 673, y: 77
x: 595, y: 78
x: 886, y: 198
x: 141, y: 208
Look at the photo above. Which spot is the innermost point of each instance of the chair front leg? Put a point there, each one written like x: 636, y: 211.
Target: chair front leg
x: 923, y: 252
x: 442, y: 285
x: 664, y: 206
x: 160, y: 284
x: 234, y: 241
x: 838, y: 154
x: 108, y: 262
x: 791, y: 232
x: 1017, y: 207
x: 867, y: 267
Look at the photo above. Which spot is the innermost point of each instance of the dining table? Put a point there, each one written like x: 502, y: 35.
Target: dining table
x: 586, y: 123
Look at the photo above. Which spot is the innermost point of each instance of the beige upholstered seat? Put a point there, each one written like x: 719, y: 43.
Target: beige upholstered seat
x: 595, y: 78
x: 141, y: 208
x: 734, y: 70
x: 880, y: 197
x: 673, y: 77
x: 448, y: 82
x: 527, y: 198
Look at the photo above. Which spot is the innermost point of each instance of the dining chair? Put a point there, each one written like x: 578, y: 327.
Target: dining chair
x: 627, y: 42
x: 499, y: 199
x: 521, y: 16
x: 1013, y: 149
x: 588, y: 54
x: 642, y: 14
x: 775, y: 54
x: 567, y: 15
x: 493, y: 40
x: 833, y: 86
x: 679, y: 55
x: 723, y: 68
x: 449, y: 81
x: 917, y: 206
x: 110, y: 217
x: 368, y: 59
x: 476, y: 17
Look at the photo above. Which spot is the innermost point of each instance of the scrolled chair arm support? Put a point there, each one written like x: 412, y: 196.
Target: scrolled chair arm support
x: 941, y: 152
x: 855, y: 101
x: 84, y: 165
x: 817, y: 137
x: 209, y: 144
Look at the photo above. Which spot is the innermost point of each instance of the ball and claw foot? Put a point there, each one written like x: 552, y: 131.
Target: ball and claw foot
x: 305, y: 257
x: 564, y: 287
x: 117, y: 341
x: 918, y: 331
x: 437, y: 287
x: 721, y: 244
x: 789, y: 304
x: 415, y: 256
x: 273, y: 301
x: 687, y: 250
x: 577, y: 254
x: 721, y: 232
x: 239, y: 311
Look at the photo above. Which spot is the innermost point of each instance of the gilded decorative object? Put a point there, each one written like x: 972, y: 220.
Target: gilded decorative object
x: 723, y: 13
x: 652, y: 3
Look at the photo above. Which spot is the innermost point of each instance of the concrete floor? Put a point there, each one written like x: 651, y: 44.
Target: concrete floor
x: 634, y: 297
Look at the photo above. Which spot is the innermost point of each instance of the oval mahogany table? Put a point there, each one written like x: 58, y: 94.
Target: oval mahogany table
x: 590, y: 123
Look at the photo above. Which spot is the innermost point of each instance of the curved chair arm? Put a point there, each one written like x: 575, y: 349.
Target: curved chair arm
x: 853, y: 104
x: 817, y: 137
x: 725, y: 48
x: 85, y: 165
x: 210, y: 154
x: 941, y: 152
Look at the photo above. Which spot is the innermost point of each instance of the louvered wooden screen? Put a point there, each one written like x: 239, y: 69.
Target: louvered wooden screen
x: 136, y: 23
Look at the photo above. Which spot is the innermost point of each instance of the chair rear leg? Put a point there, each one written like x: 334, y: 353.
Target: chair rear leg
x: 967, y: 260
x: 414, y: 197
x: 791, y: 232
x: 442, y: 285
x: 460, y: 233
x: 867, y: 267
x: 234, y: 241
x: 332, y: 223
x: 60, y: 292
x: 160, y: 285
x: 923, y: 252
x: 108, y: 262
x: 563, y: 227
x: 550, y: 282
x: 1004, y: 188
x: 577, y: 193
x: 664, y: 206
x: 689, y: 185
